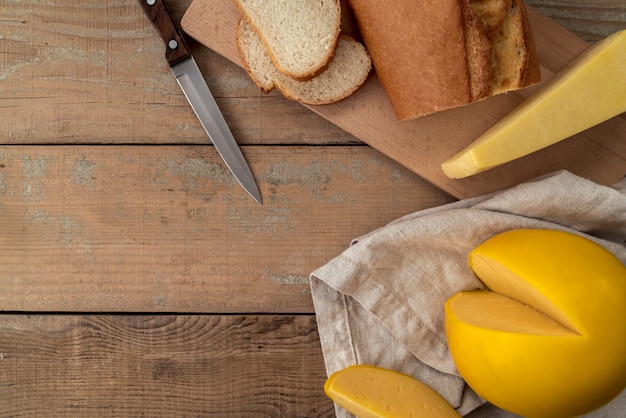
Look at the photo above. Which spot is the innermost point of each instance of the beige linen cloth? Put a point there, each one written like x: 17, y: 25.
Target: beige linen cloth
x: 381, y: 301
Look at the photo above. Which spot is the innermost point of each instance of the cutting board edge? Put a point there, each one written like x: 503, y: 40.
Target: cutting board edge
x: 457, y: 188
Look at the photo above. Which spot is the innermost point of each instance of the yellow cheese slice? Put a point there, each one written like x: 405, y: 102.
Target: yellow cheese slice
x: 587, y: 92
x: 374, y: 392
x: 548, y: 337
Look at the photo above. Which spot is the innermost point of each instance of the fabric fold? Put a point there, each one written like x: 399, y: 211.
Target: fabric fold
x: 381, y: 301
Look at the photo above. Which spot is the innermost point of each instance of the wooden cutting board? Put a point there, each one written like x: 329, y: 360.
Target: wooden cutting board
x: 421, y: 145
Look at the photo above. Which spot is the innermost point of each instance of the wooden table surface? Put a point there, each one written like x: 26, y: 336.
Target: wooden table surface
x: 136, y: 277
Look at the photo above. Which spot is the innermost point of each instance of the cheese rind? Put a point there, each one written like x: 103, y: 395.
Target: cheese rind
x: 590, y: 90
x: 548, y: 339
x: 374, y: 392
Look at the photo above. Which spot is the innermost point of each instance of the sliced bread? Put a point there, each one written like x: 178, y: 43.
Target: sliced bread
x: 300, y: 36
x: 345, y: 74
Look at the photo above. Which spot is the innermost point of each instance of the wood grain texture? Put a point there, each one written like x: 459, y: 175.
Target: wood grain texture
x: 95, y: 72
x: 589, y: 20
x: 168, y: 366
x: 423, y: 144
x: 167, y: 229
x: 148, y: 224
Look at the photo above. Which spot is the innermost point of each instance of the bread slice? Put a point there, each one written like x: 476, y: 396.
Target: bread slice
x: 432, y: 56
x: 300, y: 36
x: 345, y: 74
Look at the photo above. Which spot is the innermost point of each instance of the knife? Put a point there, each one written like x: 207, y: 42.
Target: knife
x: 190, y: 80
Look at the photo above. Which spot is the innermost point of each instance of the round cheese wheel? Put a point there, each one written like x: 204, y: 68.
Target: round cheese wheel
x: 548, y: 337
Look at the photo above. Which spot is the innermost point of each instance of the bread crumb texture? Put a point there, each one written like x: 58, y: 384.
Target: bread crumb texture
x: 300, y: 36
x: 345, y: 74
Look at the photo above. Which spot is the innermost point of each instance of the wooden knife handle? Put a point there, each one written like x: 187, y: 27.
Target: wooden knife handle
x: 176, y: 48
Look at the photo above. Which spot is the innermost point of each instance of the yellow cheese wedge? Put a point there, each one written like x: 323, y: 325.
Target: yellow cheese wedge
x: 374, y: 392
x: 548, y: 337
x: 587, y: 92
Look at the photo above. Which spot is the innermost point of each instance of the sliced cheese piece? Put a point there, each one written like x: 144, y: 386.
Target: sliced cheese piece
x: 495, y: 312
x: 548, y: 337
x: 587, y: 92
x: 374, y: 392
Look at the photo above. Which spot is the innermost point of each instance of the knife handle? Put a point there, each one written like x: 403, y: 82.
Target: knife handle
x: 176, y: 48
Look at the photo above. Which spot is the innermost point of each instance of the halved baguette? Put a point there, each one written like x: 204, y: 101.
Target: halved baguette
x: 345, y: 74
x: 300, y: 36
x: 436, y: 55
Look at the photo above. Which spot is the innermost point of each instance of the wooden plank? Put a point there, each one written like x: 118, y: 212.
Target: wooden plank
x: 166, y: 229
x: 236, y: 366
x: 94, y: 72
x: 39, y: 80
x: 591, y: 21
x: 424, y: 143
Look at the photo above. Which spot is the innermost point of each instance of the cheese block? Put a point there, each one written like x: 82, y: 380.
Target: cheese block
x: 374, y: 392
x: 548, y: 337
x: 587, y: 92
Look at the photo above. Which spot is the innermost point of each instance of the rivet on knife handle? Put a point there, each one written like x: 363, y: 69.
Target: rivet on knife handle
x: 177, y: 48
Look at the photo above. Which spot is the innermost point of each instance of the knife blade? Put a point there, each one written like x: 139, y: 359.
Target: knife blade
x: 193, y: 85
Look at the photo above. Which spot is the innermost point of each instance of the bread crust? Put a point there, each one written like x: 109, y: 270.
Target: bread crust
x: 345, y: 74
x: 405, y: 44
x: 433, y: 55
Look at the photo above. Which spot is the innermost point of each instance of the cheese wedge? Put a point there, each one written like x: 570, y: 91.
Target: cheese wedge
x: 374, y: 392
x: 587, y: 92
x: 548, y: 339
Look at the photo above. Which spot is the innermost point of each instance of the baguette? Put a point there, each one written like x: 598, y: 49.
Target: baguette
x: 300, y: 36
x: 436, y: 55
x: 345, y: 74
